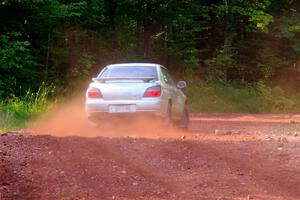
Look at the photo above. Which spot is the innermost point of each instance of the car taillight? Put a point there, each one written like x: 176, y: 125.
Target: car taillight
x: 154, y: 91
x: 94, y: 93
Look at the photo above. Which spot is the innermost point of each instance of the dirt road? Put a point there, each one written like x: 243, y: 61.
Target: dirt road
x: 221, y: 157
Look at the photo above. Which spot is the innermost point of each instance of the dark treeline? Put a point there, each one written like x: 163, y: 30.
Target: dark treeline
x: 66, y: 41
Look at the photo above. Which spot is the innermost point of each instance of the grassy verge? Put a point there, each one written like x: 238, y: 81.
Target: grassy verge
x: 203, y: 98
x: 16, y: 112
x: 229, y: 98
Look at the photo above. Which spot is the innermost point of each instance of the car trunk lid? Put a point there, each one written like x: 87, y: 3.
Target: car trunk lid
x: 124, y: 89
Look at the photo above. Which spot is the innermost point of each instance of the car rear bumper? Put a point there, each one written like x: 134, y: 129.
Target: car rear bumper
x: 100, y: 108
x: 127, y: 118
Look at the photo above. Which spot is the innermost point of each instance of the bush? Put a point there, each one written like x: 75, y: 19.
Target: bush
x: 16, y: 111
x: 17, y: 64
x: 231, y: 98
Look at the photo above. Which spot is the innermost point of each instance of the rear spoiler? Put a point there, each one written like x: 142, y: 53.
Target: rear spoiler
x: 145, y: 79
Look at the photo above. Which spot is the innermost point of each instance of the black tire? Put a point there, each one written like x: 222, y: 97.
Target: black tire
x: 185, y: 119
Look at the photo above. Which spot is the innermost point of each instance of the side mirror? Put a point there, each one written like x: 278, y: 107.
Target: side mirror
x: 181, y: 85
x: 94, y: 79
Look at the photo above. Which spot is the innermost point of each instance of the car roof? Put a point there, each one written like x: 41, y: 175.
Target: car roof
x: 134, y: 64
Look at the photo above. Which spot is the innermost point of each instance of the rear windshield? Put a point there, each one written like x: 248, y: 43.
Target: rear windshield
x: 129, y: 72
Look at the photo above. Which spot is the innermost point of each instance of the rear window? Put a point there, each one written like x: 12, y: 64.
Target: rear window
x: 129, y: 72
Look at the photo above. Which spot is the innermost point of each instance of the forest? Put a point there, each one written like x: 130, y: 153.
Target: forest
x: 236, y: 55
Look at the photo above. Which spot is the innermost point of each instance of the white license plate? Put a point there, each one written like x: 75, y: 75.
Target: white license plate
x: 121, y: 108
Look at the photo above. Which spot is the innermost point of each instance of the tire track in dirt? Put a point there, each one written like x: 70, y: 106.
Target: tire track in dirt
x: 149, y: 165
x: 229, y: 156
x: 201, y: 169
x: 269, y: 175
x: 139, y: 167
x: 197, y: 166
x: 100, y: 149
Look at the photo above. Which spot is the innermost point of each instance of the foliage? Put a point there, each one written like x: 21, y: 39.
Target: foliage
x: 228, y: 98
x: 15, y: 58
x: 240, y: 42
x: 16, y: 111
x: 219, y: 65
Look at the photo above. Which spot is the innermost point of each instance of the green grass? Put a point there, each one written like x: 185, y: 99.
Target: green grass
x: 230, y: 98
x: 16, y: 112
x: 203, y: 97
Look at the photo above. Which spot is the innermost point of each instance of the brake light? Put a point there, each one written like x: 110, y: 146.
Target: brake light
x: 94, y: 93
x: 154, y: 91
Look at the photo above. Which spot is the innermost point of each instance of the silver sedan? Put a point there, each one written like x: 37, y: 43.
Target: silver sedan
x: 132, y: 89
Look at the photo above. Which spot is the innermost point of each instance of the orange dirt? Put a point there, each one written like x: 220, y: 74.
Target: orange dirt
x: 222, y: 157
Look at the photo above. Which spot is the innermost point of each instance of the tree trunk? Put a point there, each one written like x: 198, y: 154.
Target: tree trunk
x: 168, y: 31
x: 111, y: 16
x: 226, y: 25
x: 139, y: 36
x: 147, y: 35
x: 227, y: 39
x: 48, y: 54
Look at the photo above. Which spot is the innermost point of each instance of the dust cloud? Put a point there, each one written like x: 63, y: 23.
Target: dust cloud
x: 69, y: 119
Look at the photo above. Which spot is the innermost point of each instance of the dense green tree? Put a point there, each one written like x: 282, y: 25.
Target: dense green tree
x: 16, y: 63
x: 222, y: 40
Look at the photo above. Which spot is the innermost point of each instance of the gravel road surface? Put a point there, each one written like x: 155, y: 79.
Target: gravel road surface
x: 221, y: 157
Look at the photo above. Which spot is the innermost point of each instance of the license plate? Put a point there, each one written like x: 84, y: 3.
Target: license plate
x: 121, y: 108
